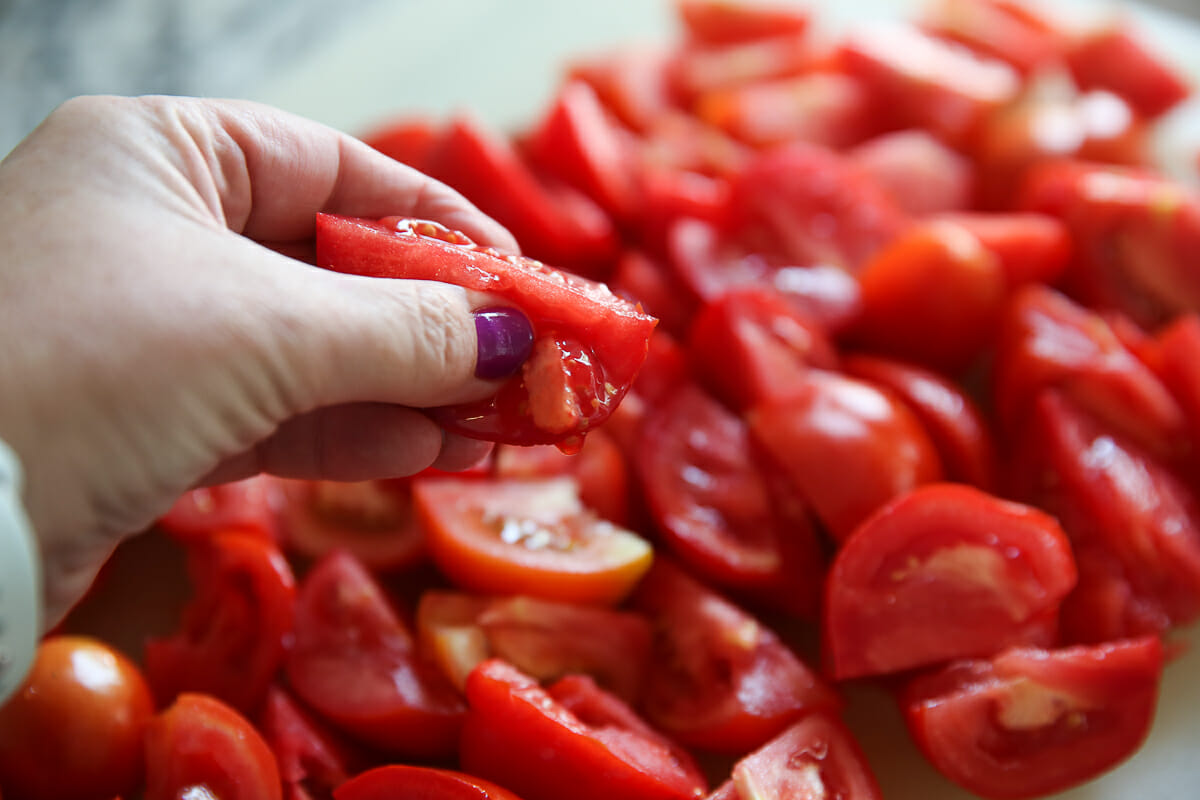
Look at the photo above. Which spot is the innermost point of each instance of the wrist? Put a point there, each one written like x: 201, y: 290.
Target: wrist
x: 20, y: 580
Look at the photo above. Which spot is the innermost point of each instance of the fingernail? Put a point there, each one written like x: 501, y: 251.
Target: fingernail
x: 505, y: 340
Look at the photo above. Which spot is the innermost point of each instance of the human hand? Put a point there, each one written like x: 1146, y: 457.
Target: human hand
x: 153, y: 343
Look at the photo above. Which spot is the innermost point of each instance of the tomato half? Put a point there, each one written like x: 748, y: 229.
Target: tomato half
x: 355, y: 663
x: 815, y: 758
x: 720, y: 680
x: 588, y: 343
x: 719, y: 510
x: 528, y: 537
x: 1029, y: 723
x: 543, y: 639
x: 405, y: 782
x: 520, y: 735
x: 232, y: 634
x: 73, y: 730
x: 946, y: 571
x: 200, y: 747
x: 249, y: 505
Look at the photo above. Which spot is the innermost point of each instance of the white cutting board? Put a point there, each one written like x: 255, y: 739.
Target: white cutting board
x: 502, y: 59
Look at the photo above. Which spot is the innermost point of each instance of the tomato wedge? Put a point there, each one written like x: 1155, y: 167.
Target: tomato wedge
x: 312, y: 760
x: 944, y: 572
x: 233, y: 632
x: 200, y: 747
x: 522, y: 736
x: 528, y: 537
x: 1030, y: 722
x: 588, y: 343
x: 355, y: 663
x: 720, y: 680
x: 405, y: 782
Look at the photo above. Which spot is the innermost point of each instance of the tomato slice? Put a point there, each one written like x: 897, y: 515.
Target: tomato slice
x: 355, y: 663
x: 528, y: 537
x: 249, y: 505
x: 719, y: 510
x: 1115, y: 58
x: 200, y: 747
x: 233, y: 633
x: 815, y: 758
x: 522, y: 736
x: 835, y: 427
x: 946, y: 571
x: 312, y: 760
x: 720, y: 680
x: 543, y: 639
x: 1029, y: 723
x: 407, y: 782
x: 724, y: 22
x: 589, y: 343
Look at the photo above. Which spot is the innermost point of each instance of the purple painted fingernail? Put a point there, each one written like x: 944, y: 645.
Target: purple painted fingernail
x: 505, y: 340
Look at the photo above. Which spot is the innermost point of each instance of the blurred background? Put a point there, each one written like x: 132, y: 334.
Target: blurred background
x: 349, y: 63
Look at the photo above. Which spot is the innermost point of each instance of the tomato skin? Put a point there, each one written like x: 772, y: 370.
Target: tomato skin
x: 355, y: 663
x: 406, y: 782
x: 73, y: 731
x: 720, y: 680
x: 1116, y: 59
x: 717, y: 507
x: 1029, y: 723
x: 249, y: 505
x: 232, y: 635
x: 518, y: 735
x: 945, y: 571
x: 815, y: 758
x: 200, y: 741
x: 838, y: 426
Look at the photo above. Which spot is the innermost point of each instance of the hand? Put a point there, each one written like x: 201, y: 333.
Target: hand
x: 158, y: 332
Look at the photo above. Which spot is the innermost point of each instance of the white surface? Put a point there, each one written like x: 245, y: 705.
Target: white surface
x: 502, y: 59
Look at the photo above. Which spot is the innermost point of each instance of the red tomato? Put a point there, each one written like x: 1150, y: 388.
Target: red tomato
x: 410, y: 140
x: 700, y: 68
x: 311, y: 759
x: 1115, y: 59
x: 720, y: 680
x: 1029, y: 723
x: 811, y: 206
x: 1005, y: 29
x: 73, y: 730
x: 1031, y: 248
x: 642, y: 279
x: 554, y: 223
x: 944, y: 572
x: 543, y: 639
x: 924, y: 82
x: 371, y: 519
x: 752, y: 344
x: 716, y: 508
x: 953, y: 421
x: 725, y: 22
x: 946, y: 329
x: 355, y: 663
x: 589, y: 344
x: 1048, y: 341
x: 250, y: 505
x: 200, y: 747
x: 923, y: 175
x: 405, y: 782
x: 599, y: 467
x: 521, y: 736
x: 632, y: 82
x: 814, y: 759
x: 1134, y: 522
x: 528, y: 537
x: 838, y: 427
x: 232, y: 635
x: 1178, y: 348
x: 668, y: 195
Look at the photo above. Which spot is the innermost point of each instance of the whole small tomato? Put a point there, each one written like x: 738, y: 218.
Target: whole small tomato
x: 74, y: 729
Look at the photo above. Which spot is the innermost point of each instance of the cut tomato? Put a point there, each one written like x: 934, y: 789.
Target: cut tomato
x: 724, y: 22
x: 410, y: 140
x: 922, y: 174
x: 1031, y: 248
x: 1029, y: 723
x: 355, y: 663
x: 720, y: 680
x: 1009, y: 30
x: 406, y: 782
x: 249, y: 505
x: 944, y: 572
x: 522, y: 736
x: 588, y: 343
x: 528, y: 537
x: 233, y: 632
x: 1116, y: 59
x: 312, y: 760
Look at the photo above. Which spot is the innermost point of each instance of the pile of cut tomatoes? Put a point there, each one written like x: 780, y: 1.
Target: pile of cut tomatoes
x: 921, y: 409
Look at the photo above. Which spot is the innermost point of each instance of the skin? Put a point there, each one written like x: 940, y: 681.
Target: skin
x: 162, y: 328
